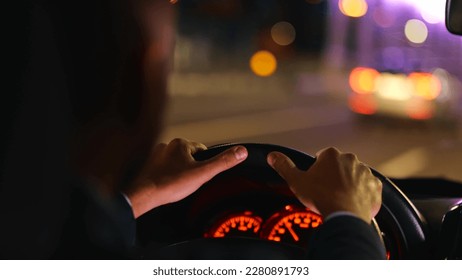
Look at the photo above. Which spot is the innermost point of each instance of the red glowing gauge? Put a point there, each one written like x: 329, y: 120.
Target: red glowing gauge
x: 240, y: 224
x: 292, y: 225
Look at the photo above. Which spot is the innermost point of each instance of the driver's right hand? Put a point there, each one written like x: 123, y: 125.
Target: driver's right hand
x: 335, y: 182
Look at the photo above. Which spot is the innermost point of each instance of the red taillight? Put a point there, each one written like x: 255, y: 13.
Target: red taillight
x: 362, y: 104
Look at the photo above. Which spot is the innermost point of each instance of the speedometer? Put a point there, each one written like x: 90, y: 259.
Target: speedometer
x: 292, y: 225
x: 244, y: 224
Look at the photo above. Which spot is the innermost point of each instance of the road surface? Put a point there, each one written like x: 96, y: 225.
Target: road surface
x: 310, y: 122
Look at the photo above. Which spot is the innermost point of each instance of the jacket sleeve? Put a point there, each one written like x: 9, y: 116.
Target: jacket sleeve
x: 97, y: 227
x: 346, y: 237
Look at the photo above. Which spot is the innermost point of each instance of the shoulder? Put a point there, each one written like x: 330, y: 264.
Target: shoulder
x: 96, y: 226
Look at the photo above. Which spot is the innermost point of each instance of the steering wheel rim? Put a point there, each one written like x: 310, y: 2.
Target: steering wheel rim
x: 395, y: 205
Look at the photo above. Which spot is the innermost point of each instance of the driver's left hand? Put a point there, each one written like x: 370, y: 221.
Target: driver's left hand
x: 171, y: 173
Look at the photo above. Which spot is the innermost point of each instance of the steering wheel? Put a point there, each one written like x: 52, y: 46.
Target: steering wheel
x: 397, y: 211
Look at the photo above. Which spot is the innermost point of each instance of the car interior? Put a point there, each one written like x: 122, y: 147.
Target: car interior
x: 378, y: 78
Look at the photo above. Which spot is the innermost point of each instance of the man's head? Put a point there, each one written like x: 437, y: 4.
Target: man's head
x: 121, y: 89
x: 88, y: 72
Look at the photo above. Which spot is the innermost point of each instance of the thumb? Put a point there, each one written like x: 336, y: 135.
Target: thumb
x: 223, y: 161
x: 283, y: 165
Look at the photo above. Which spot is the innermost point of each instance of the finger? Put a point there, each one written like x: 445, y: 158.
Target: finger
x: 195, y: 147
x: 283, y: 165
x: 178, y: 146
x: 221, y: 162
x: 185, y: 147
x: 327, y: 152
x: 351, y: 157
x: 377, y: 199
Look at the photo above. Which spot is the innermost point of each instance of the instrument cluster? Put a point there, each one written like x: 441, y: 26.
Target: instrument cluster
x: 292, y: 224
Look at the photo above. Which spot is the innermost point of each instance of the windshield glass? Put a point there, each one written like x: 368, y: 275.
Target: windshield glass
x: 376, y: 78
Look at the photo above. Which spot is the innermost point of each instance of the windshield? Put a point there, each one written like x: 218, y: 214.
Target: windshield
x: 376, y: 78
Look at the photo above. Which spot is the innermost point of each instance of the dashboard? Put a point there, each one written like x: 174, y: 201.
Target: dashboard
x: 419, y: 218
x: 232, y: 207
x: 236, y: 207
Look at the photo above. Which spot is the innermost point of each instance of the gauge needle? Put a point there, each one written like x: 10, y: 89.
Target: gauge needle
x: 292, y: 232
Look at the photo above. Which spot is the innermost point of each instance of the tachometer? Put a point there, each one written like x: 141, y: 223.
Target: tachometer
x: 292, y: 225
x: 244, y: 224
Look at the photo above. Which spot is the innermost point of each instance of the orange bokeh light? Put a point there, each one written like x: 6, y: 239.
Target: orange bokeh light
x: 263, y: 63
x: 426, y: 85
x: 362, y: 80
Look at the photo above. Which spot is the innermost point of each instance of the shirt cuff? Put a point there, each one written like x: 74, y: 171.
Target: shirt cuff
x: 127, y: 199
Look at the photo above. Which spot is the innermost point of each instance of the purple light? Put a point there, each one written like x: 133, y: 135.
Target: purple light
x: 383, y: 17
x: 393, y: 58
x: 432, y: 11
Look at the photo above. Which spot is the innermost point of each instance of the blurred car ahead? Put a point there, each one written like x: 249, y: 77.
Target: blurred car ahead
x: 406, y: 63
x: 415, y: 95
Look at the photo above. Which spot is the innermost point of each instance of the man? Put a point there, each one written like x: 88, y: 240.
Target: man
x: 86, y: 92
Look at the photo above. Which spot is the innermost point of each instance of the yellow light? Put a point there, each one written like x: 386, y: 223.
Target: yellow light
x: 426, y: 85
x: 362, y: 80
x: 416, y: 31
x: 353, y: 8
x: 394, y: 87
x: 263, y: 63
x: 283, y: 33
